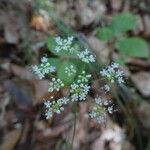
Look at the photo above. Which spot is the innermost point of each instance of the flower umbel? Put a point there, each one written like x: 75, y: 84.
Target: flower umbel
x: 85, y: 56
x: 55, y: 84
x: 100, y: 110
x: 79, y: 91
x: 55, y: 106
x: 43, y: 69
x: 113, y: 73
x: 64, y: 44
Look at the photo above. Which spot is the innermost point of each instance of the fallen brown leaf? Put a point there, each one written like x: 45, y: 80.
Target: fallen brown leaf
x: 39, y: 23
x: 11, y: 139
x: 50, y: 133
x: 21, y: 72
x: 144, y: 85
x: 116, y: 138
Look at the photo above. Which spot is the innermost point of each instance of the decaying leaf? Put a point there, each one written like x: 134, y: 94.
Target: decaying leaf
x: 143, y: 111
x: 113, y: 135
x: 89, y: 12
x: 39, y: 23
x: 141, y: 81
x: 100, y: 48
x: 11, y: 139
x: 21, y: 72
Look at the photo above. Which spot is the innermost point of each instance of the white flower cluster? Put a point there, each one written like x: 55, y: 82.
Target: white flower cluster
x: 86, y: 56
x: 43, y: 69
x: 113, y: 73
x: 55, y: 106
x: 55, y: 84
x: 80, y: 89
x: 106, y: 87
x: 100, y: 110
x: 64, y: 44
x: 70, y: 70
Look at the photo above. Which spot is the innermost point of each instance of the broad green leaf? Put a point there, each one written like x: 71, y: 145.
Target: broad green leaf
x: 52, y: 45
x: 104, y: 34
x: 123, y: 22
x: 55, y: 62
x: 134, y: 47
x: 63, y: 75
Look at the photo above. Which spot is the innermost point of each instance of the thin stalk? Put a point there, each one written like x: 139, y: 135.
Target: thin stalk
x: 133, y: 122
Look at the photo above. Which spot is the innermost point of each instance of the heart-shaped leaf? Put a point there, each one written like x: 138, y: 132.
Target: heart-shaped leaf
x: 123, y: 22
x: 104, y: 34
x: 63, y: 75
x: 134, y: 47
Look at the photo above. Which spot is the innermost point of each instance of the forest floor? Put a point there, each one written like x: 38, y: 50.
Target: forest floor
x: 24, y: 29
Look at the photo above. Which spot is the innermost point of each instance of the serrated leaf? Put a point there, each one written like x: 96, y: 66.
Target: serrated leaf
x: 123, y: 22
x: 104, y: 34
x: 63, y: 75
x: 51, y: 43
x: 134, y: 47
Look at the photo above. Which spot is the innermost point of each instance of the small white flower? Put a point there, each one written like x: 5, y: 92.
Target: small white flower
x: 101, y: 119
x: 115, y: 65
x: 48, y: 114
x: 55, y: 84
x: 119, y: 73
x: 110, y: 109
x: 99, y: 101
x: 85, y: 56
x: 120, y: 80
x: 47, y: 104
x: 106, y: 88
x: 92, y: 114
x: 65, y: 100
x: 52, y: 69
x: 44, y: 59
x: 110, y: 70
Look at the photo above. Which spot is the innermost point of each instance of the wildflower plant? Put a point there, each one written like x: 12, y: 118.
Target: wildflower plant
x: 70, y: 69
x: 116, y: 35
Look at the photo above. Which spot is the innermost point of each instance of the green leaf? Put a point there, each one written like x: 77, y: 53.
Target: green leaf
x: 123, y: 22
x: 52, y: 44
x: 120, y: 61
x: 134, y: 47
x: 104, y: 34
x: 67, y: 80
x: 55, y: 62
